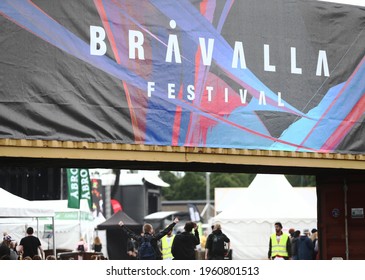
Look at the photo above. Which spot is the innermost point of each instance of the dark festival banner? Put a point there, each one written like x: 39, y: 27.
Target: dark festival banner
x: 249, y: 74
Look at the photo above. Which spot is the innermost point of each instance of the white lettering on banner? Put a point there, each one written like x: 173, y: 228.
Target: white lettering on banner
x: 150, y: 88
x: 85, y: 183
x: 74, y: 179
x: 171, y: 91
x: 238, y: 52
x: 322, y: 62
x: 243, y: 95
x: 262, y: 99
x: 136, y: 41
x: 173, y: 46
x: 97, y: 37
x: 267, y: 66
x: 209, y: 90
x: 206, y: 54
x: 191, y: 94
x: 293, y: 59
x: 280, y: 104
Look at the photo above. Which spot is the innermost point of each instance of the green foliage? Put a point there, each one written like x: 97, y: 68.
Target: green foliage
x: 193, y: 185
x: 301, y: 180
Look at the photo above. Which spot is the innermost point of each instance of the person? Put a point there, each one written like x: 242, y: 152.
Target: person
x: 314, y: 238
x: 203, y: 239
x: 13, y: 252
x: 183, y: 247
x: 279, y: 245
x: 51, y: 257
x: 214, y: 248
x: 305, y: 246
x: 148, y: 240
x: 97, y: 246
x: 29, y: 245
x: 166, y: 245
x: 291, y: 233
x: 5, y: 247
x: 132, y: 249
x: 294, y: 245
x: 82, y: 245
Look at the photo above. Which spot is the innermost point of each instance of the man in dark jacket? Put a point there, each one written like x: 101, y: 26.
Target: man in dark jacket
x: 148, y: 234
x: 183, y: 247
x: 305, y: 246
x: 214, y: 248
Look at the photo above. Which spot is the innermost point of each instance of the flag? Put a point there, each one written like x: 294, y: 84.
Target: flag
x: 78, y: 186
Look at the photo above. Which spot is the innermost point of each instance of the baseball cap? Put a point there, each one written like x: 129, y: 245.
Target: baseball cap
x: 7, y: 238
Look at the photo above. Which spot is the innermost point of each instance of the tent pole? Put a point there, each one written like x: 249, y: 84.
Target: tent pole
x: 37, y: 226
x: 54, y: 238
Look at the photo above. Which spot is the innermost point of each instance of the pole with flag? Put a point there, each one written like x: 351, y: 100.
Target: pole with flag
x: 78, y: 186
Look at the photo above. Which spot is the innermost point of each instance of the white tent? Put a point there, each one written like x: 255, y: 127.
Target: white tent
x: 68, y: 224
x: 14, y: 208
x: 249, y: 220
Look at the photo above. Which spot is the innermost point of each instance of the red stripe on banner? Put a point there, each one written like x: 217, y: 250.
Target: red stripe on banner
x: 134, y: 119
x: 177, y: 122
x: 346, y: 125
x: 334, y: 101
x: 101, y: 10
x: 203, y: 7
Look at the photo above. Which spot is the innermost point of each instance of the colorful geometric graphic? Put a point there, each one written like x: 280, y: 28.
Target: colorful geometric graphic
x: 269, y: 75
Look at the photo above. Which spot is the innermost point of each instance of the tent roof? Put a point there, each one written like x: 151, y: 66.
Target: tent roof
x: 131, y: 179
x: 12, y: 206
x: 269, y: 198
x: 113, y: 221
x: 63, y: 212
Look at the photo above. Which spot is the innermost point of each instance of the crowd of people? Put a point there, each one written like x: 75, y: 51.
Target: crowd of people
x: 293, y: 246
x: 165, y: 245
x: 30, y: 248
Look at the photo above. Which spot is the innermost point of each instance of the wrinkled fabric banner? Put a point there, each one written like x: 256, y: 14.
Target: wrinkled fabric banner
x: 270, y: 74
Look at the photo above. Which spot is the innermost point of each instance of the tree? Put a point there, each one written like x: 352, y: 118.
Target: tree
x: 193, y: 184
x: 301, y: 180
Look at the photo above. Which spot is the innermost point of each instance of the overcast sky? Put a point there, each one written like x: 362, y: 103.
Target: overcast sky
x: 350, y: 2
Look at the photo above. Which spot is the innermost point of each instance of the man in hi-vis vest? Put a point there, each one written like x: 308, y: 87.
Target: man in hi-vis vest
x: 166, y: 244
x: 279, y: 246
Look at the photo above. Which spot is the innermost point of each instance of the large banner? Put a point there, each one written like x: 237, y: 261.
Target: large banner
x: 78, y: 187
x: 249, y: 74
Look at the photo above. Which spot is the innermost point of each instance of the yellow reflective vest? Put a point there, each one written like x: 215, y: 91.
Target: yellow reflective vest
x: 279, y: 249
x: 166, y: 244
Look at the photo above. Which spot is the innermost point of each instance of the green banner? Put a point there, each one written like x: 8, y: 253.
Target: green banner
x: 79, y: 187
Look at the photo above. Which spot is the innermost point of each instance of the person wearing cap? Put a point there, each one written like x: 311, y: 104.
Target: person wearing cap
x: 30, y: 245
x: 305, y: 246
x: 279, y: 245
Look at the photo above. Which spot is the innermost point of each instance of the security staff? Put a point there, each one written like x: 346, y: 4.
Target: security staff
x: 279, y: 246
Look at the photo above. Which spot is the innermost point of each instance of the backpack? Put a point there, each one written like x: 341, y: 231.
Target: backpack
x: 145, y: 250
x: 218, y: 245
